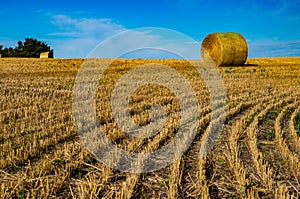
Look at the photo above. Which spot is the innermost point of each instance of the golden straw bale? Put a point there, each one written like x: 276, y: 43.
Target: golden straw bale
x: 225, y: 48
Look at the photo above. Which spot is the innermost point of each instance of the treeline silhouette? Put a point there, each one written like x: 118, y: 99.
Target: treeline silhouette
x: 29, y: 48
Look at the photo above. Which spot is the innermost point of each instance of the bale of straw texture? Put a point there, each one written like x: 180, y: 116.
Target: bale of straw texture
x: 46, y: 54
x: 225, y: 48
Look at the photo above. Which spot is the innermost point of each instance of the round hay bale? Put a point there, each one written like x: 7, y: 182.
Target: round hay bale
x: 225, y: 48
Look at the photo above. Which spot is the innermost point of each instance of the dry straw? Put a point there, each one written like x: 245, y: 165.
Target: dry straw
x: 46, y: 54
x: 225, y: 48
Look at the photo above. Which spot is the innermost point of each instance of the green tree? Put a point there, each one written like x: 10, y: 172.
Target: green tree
x: 29, y: 48
x: 1, y: 46
x: 19, y: 49
x: 33, y: 47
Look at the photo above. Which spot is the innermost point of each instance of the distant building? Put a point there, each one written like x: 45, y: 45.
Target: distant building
x: 46, y: 54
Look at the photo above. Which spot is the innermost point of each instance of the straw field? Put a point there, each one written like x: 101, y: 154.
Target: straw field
x: 256, y: 156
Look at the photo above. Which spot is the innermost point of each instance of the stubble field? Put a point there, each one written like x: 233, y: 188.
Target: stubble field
x: 256, y: 156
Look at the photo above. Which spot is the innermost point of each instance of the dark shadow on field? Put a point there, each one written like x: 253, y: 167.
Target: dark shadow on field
x: 244, y: 65
x: 250, y: 65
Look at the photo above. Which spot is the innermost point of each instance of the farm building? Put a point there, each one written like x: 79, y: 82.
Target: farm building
x: 46, y: 54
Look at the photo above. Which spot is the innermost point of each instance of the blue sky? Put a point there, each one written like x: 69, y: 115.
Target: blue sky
x: 73, y: 28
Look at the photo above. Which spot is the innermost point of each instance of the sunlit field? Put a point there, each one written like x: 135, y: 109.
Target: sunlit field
x: 256, y: 156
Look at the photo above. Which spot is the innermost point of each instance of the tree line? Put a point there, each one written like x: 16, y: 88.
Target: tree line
x: 29, y: 48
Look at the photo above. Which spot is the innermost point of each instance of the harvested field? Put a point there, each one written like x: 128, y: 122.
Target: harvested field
x: 256, y: 156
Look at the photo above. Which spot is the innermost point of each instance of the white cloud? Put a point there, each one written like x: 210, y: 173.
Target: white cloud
x: 149, y: 43
x: 272, y: 8
x: 274, y: 48
x: 78, y: 37
x: 86, y: 26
